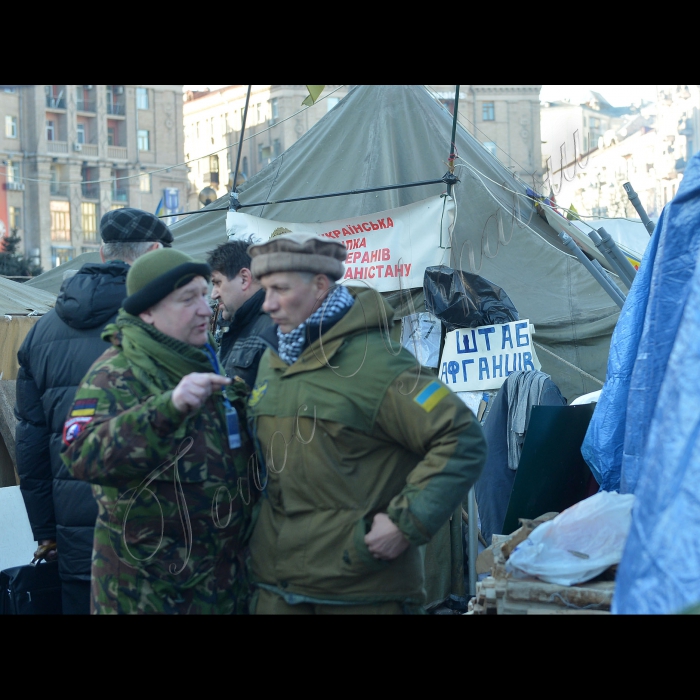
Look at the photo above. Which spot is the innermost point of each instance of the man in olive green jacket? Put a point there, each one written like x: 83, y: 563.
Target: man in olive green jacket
x: 363, y: 455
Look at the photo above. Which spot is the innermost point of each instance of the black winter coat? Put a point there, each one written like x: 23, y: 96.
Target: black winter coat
x: 241, y: 347
x: 54, y: 357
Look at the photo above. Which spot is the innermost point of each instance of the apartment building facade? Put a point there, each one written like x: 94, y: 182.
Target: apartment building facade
x: 275, y: 120
x: 505, y: 119
x: 70, y: 153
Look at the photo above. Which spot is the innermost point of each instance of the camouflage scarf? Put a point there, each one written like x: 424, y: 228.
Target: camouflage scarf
x: 158, y: 360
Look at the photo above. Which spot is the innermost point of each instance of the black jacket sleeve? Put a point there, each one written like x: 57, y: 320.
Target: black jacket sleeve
x: 32, y: 450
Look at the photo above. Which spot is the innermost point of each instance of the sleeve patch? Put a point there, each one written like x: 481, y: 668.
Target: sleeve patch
x: 431, y: 396
x: 84, y: 407
x: 73, y: 427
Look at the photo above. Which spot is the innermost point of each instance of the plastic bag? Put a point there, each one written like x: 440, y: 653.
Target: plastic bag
x: 421, y: 335
x: 462, y: 300
x: 577, y: 545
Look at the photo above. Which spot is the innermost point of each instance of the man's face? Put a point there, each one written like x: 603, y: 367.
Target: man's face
x: 184, y: 314
x: 290, y: 299
x: 229, y: 292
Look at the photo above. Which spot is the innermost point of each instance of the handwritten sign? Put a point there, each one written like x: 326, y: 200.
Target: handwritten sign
x: 475, y: 359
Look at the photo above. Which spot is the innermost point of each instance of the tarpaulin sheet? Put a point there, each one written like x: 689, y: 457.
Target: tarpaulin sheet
x: 643, y: 340
x: 660, y: 567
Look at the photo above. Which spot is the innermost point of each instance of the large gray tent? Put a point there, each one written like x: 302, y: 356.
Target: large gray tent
x: 391, y: 134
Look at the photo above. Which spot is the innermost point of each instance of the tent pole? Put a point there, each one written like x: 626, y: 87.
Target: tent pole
x: 450, y: 177
x: 234, y: 204
x: 634, y: 198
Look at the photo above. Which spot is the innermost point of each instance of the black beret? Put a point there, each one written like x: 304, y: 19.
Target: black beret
x: 134, y: 226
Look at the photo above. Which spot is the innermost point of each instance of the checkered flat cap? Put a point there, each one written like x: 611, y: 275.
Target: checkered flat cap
x: 134, y: 226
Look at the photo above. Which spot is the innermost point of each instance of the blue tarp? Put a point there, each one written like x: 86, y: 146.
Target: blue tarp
x: 641, y: 345
x: 644, y: 437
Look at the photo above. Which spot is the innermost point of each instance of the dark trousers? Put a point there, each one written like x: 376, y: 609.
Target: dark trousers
x: 75, y: 596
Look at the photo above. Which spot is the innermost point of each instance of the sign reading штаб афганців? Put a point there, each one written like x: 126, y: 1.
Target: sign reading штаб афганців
x: 477, y: 359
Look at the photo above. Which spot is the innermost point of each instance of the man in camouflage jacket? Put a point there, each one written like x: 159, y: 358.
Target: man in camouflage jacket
x: 160, y: 435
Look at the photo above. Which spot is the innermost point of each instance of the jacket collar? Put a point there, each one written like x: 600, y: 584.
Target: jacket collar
x: 370, y: 311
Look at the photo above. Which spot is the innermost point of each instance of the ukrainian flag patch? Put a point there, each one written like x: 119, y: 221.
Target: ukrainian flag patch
x: 84, y: 407
x: 431, y: 396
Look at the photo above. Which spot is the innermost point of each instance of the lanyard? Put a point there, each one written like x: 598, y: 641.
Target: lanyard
x: 234, y: 432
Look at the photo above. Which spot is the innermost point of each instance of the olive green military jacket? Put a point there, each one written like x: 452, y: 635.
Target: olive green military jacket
x: 174, y: 499
x: 353, y: 428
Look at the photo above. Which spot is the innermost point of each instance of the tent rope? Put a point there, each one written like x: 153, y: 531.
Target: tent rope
x: 578, y: 369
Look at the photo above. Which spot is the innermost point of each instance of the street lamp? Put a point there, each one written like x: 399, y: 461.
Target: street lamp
x: 207, y: 196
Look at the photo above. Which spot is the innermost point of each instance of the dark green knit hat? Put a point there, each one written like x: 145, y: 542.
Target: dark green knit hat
x: 158, y: 273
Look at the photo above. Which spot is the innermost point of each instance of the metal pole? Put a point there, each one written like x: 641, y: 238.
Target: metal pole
x: 614, y: 249
x: 472, y: 536
x: 450, y: 176
x: 605, y: 274
x: 613, y: 292
x: 634, y: 198
x: 622, y: 274
x: 233, y: 203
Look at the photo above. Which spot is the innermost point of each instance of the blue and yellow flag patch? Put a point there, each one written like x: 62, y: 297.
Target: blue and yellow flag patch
x: 431, y: 396
x: 258, y: 392
x: 84, y: 407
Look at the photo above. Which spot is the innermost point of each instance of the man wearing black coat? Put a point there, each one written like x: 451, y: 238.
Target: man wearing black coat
x: 54, y: 357
x: 241, y: 297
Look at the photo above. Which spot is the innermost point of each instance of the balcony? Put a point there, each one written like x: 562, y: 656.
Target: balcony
x: 116, y: 108
x: 90, y: 191
x: 55, y: 102
x: 18, y: 186
x: 85, y: 106
x: 89, y: 149
x: 211, y: 178
x: 57, y: 146
x: 116, y: 153
x: 120, y: 194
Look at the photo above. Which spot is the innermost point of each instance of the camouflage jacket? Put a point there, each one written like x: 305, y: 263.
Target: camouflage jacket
x: 174, y: 502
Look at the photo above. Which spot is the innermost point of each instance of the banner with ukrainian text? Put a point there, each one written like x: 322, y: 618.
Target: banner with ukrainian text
x: 388, y: 250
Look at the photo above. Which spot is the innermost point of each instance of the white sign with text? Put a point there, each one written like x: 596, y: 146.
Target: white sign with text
x: 476, y: 359
x: 388, y: 250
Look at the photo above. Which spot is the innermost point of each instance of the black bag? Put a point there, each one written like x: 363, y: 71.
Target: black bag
x: 463, y: 300
x: 32, y: 589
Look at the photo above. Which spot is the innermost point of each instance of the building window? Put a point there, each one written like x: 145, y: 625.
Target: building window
x: 88, y: 211
x: 10, y: 127
x: 117, y: 206
x: 145, y: 182
x: 143, y: 140
x: 60, y: 221
x: 54, y: 183
x: 50, y: 130
x: 274, y: 109
x: 490, y: 146
x: 15, y: 218
x: 276, y: 148
x: 81, y: 133
x: 244, y: 169
x: 14, y: 173
x: 10, y: 89
x: 110, y: 136
x: 61, y: 255
x: 142, y: 98
x: 331, y: 102
x: 488, y: 112
x: 260, y: 153
x: 259, y: 112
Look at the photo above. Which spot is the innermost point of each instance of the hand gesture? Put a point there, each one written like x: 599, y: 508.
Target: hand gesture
x: 194, y: 389
x: 385, y: 540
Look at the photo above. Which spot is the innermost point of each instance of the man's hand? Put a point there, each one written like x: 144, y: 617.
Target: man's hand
x: 385, y: 540
x: 194, y: 389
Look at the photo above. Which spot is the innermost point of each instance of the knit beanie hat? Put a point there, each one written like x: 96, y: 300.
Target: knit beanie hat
x: 298, y: 252
x: 158, y: 273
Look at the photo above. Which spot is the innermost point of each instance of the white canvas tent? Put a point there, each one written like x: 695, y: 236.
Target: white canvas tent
x: 393, y: 134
